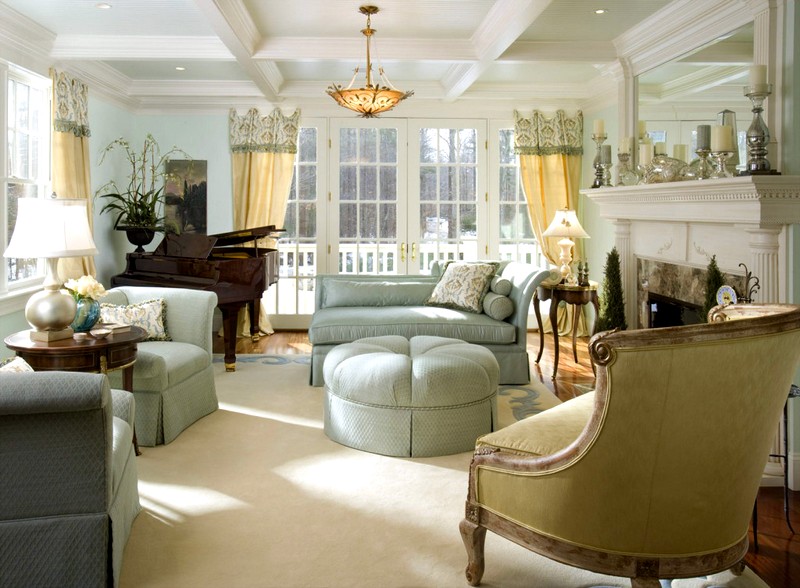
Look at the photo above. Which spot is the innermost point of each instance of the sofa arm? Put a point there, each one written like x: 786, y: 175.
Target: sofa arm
x: 55, y: 434
x: 190, y: 313
x: 123, y: 405
x: 525, y: 278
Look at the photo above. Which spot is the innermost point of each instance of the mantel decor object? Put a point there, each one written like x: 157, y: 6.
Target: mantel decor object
x: 749, y: 289
x: 758, y: 133
x: 599, y: 164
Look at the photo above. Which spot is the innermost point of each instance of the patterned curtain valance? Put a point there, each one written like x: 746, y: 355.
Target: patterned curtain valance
x: 274, y: 133
x: 70, y: 105
x: 539, y: 135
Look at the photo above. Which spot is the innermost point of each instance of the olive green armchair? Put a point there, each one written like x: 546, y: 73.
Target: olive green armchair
x: 653, y: 475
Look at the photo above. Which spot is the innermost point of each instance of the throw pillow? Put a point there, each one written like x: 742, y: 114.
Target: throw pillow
x: 150, y: 315
x: 14, y: 365
x: 500, y: 285
x: 497, y: 307
x: 463, y: 286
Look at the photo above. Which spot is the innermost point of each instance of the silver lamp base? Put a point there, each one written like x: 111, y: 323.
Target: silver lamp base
x: 50, y: 311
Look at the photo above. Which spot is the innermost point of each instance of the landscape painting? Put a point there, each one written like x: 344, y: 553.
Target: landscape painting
x: 185, y: 196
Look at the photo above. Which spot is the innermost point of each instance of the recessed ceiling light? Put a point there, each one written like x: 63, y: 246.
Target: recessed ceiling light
x: 180, y: 68
x: 103, y: 5
x: 601, y: 11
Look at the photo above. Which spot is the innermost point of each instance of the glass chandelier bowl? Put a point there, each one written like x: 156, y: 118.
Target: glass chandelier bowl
x: 372, y: 99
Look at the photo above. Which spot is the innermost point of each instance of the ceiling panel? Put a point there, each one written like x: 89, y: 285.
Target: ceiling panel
x: 125, y: 17
x: 165, y: 70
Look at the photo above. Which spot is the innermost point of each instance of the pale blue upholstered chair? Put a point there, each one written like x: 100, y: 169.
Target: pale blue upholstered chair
x: 69, y: 490
x: 173, y: 381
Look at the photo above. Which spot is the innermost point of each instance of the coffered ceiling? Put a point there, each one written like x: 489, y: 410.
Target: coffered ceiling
x: 289, y: 51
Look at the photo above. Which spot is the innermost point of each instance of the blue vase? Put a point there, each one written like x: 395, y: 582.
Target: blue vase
x: 86, y: 316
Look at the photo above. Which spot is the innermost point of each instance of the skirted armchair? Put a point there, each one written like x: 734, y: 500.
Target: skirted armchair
x: 654, y: 475
x: 173, y: 380
x: 69, y: 491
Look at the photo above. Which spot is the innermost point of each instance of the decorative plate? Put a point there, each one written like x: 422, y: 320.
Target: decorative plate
x: 726, y: 295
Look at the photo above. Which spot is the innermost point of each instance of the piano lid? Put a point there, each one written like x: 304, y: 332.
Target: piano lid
x: 199, y: 246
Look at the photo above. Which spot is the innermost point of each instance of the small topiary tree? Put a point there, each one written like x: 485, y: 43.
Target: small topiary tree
x: 612, y: 307
x: 714, y: 279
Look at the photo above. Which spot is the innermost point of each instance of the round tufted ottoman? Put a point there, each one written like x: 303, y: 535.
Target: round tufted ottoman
x: 420, y: 397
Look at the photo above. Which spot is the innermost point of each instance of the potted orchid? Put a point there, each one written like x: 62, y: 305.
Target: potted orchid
x: 138, y: 206
x: 86, y: 291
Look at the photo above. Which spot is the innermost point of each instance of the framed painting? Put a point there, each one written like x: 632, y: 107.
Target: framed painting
x: 185, y: 196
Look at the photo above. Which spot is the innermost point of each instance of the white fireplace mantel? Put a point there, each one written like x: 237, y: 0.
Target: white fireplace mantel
x: 739, y: 220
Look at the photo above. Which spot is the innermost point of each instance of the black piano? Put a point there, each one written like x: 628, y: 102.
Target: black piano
x: 238, y: 274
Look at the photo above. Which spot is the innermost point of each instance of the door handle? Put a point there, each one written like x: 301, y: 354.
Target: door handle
x: 413, y: 251
x: 403, y: 251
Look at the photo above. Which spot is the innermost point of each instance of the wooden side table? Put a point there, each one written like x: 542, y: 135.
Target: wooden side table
x: 115, y: 352
x: 575, y: 295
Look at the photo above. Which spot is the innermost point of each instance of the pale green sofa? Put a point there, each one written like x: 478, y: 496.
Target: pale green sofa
x: 354, y: 307
x: 69, y: 491
x: 173, y: 381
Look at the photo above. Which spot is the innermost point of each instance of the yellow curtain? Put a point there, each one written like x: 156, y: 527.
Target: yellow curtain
x: 262, y: 159
x: 71, y: 177
x: 550, y: 151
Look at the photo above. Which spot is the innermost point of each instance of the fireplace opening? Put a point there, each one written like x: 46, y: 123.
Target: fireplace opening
x: 664, y: 311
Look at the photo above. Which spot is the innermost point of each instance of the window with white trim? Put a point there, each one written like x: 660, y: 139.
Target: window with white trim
x: 25, y: 157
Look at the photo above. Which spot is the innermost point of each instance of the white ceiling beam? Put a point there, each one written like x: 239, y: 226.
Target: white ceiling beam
x: 698, y: 81
x: 506, y: 21
x: 130, y: 47
x: 231, y: 21
x: 563, y: 51
x: 351, y: 49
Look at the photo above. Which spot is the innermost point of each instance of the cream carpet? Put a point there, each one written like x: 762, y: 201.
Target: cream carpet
x: 255, y: 495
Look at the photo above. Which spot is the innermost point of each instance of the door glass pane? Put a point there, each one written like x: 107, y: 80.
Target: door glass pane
x: 19, y: 269
x: 297, y: 248
x: 348, y: 145
x: 367, y: 229
x: 448, y: 175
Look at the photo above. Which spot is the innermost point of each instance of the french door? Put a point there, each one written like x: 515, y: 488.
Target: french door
x: 405, y: 194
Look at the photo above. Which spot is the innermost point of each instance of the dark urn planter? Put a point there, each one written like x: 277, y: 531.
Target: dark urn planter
x: 139, y: 236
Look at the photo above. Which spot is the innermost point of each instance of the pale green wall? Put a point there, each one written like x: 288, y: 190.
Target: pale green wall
x: 600, y: 230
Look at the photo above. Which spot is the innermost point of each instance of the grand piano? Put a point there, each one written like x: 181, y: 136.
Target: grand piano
x: 238, y: 274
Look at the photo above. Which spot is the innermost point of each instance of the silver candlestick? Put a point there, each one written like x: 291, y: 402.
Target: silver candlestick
x: 758, y: 133
x: 599, y: 170
x: 721, y: 170
x: 626, y: 176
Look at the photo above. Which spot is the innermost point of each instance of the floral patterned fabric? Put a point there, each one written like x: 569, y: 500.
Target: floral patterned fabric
x: 71, y: 108
x: 274, y: 133
x: 14, y: 365
x: 150, y: 315
x: 539, y: 135
x: 463, y: 286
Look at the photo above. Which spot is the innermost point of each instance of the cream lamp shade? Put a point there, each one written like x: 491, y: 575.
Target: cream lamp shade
x: 50, y: 228
x: 565, y: 225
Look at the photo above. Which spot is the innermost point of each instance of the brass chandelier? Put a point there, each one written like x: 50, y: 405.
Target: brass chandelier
x: 370, y: 100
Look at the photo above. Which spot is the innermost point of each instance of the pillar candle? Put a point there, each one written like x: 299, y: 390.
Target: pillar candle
x: 625, y: 144
x: 680, y: 151
x: 642, y: 129
x: 645, y: 153
x: 758, y: 75
x: 660, y: 148
x: 703, y: 137
x: 721, y: 138
x: 599, y: 126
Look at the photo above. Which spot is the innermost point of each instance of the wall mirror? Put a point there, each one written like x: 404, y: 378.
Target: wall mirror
x: 675, y: 97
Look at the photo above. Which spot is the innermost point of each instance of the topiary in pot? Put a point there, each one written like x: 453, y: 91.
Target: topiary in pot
x: 714, y: 279
x: 612, y: 307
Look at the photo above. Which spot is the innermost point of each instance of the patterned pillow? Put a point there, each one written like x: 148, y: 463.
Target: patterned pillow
x: 150, y: 315
x: 15, y: 364
x: 463, y: 285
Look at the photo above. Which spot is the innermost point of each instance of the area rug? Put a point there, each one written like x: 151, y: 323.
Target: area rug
x: 255, y: 495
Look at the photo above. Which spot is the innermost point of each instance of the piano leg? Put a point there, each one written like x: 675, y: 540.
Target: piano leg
x: 254, y: 308
x: 230, y: 319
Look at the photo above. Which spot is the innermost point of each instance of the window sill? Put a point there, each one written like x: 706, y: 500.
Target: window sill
x: 15, y: 301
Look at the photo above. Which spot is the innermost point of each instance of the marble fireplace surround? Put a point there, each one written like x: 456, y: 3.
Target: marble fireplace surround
x: 739, y: 220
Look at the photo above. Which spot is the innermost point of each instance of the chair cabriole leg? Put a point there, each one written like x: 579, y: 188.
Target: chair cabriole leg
x: 474, y: 537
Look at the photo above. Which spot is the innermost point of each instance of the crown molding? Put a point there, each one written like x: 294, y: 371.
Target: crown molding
x: 139, y: 47
x: 24, y: 42
x: 682, y: 24
x: 533, y: 51
x: 105, y: 81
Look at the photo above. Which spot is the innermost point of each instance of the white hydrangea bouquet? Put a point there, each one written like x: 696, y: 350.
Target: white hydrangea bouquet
x: 85, y: 287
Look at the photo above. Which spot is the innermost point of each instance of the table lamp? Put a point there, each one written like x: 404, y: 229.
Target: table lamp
x: 51, y: 228
x: 566, y: 225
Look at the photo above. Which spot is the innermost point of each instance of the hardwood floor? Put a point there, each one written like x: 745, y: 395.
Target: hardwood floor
x: 777, y: 561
